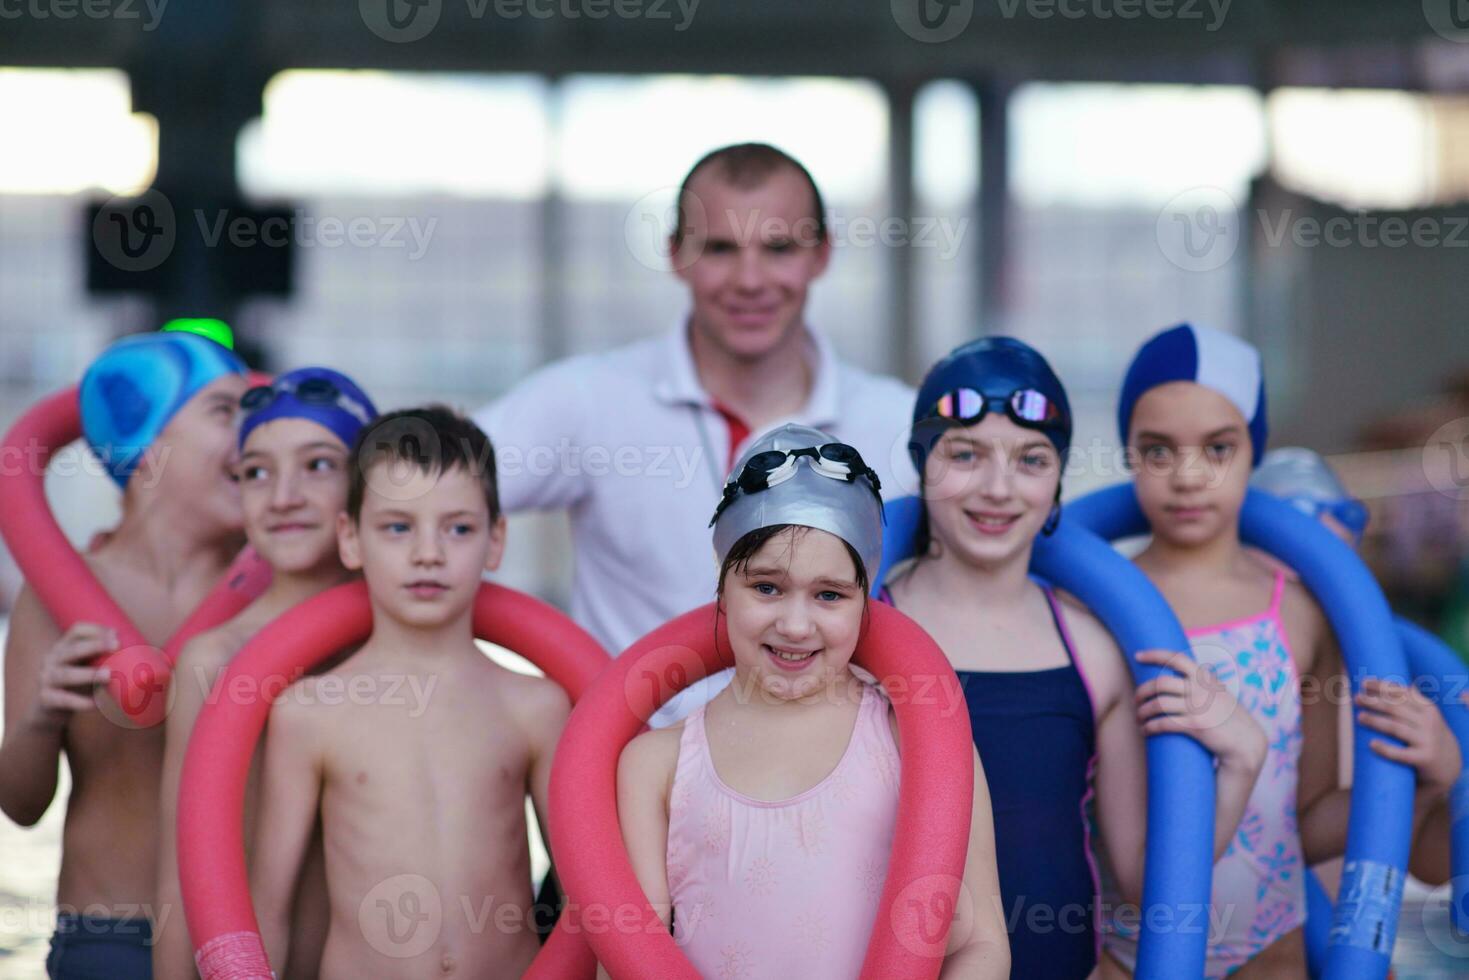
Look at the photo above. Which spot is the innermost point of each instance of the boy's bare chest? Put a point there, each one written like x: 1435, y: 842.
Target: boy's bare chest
x: 395, y: 754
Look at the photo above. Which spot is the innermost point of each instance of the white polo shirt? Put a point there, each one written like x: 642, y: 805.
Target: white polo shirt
x: 634, y: 449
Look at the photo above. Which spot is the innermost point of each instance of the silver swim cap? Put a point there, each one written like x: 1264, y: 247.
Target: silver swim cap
x: 1294, y: 473
x: 801, y: 492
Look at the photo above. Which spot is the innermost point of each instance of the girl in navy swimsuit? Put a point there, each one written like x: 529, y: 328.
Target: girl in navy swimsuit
x: 1051, y: 702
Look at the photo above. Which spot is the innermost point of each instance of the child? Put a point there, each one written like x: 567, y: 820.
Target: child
x: 1051, y: 701
x: 159, y: 411
x: 1305, y: 480
x: 766, y: 818
x: 1192, y: 415
x: 295, y: 438
x: 422, y: 798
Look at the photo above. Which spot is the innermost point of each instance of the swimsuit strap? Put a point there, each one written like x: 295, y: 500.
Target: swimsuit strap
x: 1060, y: 620
x: 1277, y: 594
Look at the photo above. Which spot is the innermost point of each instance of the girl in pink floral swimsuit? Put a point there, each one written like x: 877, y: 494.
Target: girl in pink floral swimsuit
x: 1192, y: 414
x: 764, y: 822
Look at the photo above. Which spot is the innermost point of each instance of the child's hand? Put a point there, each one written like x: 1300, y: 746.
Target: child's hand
x: 1408, y: 716
x: 65, y: 674
x: 1194, y: 702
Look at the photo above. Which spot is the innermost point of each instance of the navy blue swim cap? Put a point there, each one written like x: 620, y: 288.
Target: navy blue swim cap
x: 996, y: 367
x: 318, y: 394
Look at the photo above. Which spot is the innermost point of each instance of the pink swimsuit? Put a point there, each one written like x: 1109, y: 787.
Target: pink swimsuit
x: 785, y: 889
x: 1259, y: 889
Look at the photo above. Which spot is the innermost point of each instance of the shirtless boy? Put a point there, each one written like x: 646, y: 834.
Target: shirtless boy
x: 422, y: 800
x: 159, y: 412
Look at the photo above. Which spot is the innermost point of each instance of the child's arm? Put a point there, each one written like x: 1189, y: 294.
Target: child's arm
x: 978, y: 944
x: 1430, y: 859
x: 193, y: 676
x: 290, y: 790
x: 644, y: 782
x: 544, y: 720
x: 1429, y: 747
x: 1122, y: 793
x: 1193, y: 702
x: 1322, y: 803
x: 47, y: 680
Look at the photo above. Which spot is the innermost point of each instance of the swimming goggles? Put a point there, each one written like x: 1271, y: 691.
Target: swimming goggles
x: 1024, y: 406
x: 311, y: 391
x: 835, y: 461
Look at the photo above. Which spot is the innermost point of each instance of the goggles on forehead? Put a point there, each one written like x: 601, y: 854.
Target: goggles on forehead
x: 1024, y: 406
x: 311, y: 391
x: 835, y: 461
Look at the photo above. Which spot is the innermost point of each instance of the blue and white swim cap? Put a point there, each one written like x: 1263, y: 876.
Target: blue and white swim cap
x: 136, y: 386
x: 1205, y: 356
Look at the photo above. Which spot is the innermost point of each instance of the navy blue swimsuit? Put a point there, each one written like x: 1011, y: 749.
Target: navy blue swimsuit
x: 1037, y: 740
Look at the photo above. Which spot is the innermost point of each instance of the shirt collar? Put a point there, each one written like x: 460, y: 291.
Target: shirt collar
x: 679, y: 381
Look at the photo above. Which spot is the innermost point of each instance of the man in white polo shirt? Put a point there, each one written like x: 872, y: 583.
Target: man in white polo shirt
x: 635, y: 443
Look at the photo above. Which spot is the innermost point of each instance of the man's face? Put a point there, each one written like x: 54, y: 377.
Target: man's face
x: 749, y: 255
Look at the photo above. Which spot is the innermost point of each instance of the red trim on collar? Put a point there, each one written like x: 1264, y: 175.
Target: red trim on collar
x: 739, y: 431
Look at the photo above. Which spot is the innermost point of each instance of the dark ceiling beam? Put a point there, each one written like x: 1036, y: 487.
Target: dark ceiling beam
x: 775, y: 37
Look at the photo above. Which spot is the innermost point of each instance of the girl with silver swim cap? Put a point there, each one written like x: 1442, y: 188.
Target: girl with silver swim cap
x: 784, y: 788
x: 1049, y: 694
x: 1303, y: 478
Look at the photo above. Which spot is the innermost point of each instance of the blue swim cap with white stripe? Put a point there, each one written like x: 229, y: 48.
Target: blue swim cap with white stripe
x: 136, y: 386
x: 1205, y: 356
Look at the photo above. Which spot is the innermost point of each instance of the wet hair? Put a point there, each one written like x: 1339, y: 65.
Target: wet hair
x: 747, y: 165
x: 746, y: 548
x: 435, y: 438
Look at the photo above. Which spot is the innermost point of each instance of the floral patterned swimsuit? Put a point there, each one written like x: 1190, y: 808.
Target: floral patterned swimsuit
x: 1259, y: 885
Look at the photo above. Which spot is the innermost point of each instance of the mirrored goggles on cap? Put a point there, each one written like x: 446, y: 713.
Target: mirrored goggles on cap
x: 1024, y: 406
x: 835, y: 461
x: 311, y: 391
